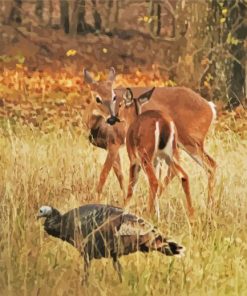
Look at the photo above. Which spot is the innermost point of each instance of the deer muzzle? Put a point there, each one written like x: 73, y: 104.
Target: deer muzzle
x: 112, y: 120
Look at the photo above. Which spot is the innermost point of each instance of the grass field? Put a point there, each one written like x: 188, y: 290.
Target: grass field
x: 61, y: 168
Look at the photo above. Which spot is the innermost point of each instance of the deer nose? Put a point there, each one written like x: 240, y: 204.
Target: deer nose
x: 112, y: 120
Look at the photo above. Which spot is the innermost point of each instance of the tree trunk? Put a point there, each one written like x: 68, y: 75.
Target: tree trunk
x: 50, y: 13
x: 64, y: 15
x: 155, y: 15
x: 246, y: 80
x: 15, y: 12
x: 108, y: 16
x: 227, y: 34
x: 158, y: 26
x: 97, y: 17
x: 78, y: 22
x: 116, y: 15
x: 74, y: 6
x: 237, y: 89
x: 151, y: 15
x: 39, y: 9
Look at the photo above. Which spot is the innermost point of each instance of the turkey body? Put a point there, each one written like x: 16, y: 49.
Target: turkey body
x: 105, y: 231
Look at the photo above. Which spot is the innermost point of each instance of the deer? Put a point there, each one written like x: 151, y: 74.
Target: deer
x: 109, y: 138
x: 191, y: 114
x: 151, y: 137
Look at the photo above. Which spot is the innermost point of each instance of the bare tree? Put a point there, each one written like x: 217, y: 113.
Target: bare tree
x: 50, y: 12
x: 155, y: 15
x: 80, y: 24
x: 237, y: 25
x: 108, y: 15
x: 116, y: 15
x: 227, y: 33
x: 15, y: 11
x: 96, y: 16
x: 39, y: 9
x: 77, y: 19
x: 64, y: 15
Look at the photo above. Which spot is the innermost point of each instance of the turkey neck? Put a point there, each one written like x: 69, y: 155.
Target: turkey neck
x: 53, y: 223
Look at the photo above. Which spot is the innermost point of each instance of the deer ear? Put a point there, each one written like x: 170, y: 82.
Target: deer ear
x: 87, y: 77
x: 112, y: 74
x: 128, y: 97
x: 145, y: 97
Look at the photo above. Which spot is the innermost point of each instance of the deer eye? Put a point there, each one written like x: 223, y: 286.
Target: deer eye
x: 114, y: 98
x: 98, y: 100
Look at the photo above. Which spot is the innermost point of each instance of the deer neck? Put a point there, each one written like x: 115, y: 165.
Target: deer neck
x: 137, y: 107
x: 131, y: 113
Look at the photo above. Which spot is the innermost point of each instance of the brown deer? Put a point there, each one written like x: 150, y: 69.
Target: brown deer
x: 110, y: 138
x: 151, y: 136
x: 191, y: 114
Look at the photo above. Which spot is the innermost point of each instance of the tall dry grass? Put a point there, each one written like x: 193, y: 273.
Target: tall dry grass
x: 61, y: 169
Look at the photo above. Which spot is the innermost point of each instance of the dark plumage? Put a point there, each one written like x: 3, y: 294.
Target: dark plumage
x: 105, y: 231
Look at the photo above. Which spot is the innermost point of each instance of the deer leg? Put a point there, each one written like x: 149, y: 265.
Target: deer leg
x: 118, y: 172
x: 133, y: 177
x: 171, y: 172
x: 153, y: 185
x: 211, y: 168
x: 157, y: 167
x: 168, y: 178
x: 186, y: 185
x: 111, y: 156
x: 207, y: 163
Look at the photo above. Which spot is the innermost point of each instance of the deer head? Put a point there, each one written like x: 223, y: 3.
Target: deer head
x: 103, y: 95
x: 129, y: 107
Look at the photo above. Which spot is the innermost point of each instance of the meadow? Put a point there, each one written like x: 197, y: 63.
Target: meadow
x: 60, y: 168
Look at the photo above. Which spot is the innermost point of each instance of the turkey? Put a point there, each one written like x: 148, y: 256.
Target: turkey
x: 98, y: 231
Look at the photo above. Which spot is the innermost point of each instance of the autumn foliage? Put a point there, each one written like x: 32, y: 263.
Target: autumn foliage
x: 45, y: 99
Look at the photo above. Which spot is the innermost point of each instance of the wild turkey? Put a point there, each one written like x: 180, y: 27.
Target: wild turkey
x: 105, y: 231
